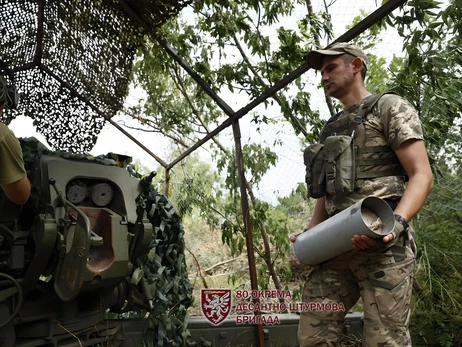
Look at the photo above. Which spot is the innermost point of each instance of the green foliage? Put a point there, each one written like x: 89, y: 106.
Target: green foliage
x: 258, y: 160
x: 290, y: 216
x: 192, y: 184
x: 438, y: 299
x: 222, y: 29
x: 431, y: 76
x: 378, y: 78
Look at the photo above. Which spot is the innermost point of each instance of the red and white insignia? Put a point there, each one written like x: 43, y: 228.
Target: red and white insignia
x: 216, y: 304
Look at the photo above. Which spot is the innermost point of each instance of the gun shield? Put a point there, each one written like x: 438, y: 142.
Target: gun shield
x: 370, y: 216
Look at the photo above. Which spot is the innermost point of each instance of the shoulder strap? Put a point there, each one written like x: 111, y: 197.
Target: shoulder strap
x: 368, y: 106
x: 365, y: 109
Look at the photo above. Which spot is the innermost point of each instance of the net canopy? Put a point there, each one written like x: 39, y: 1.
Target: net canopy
x: 71, y: 61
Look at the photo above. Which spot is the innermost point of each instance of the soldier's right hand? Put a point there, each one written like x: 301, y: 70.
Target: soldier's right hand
x: 292, y: 238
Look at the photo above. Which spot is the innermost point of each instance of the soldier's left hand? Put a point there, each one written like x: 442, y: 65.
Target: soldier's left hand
x: 364, y: 242
x: 397, y: 231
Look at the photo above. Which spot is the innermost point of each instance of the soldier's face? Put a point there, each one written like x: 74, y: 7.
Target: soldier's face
x: 337, y: 77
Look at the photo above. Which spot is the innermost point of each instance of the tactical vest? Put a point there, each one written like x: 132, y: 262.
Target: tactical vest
x: 334, y: 165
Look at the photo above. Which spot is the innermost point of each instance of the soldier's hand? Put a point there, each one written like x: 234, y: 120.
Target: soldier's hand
x: 398, y: 230
x: 388, y: 238
x: 365, y: 243
x: 362, y: 242
x: 292, y: 238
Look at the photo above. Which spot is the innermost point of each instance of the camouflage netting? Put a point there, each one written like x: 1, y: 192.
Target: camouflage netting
x: 72, y: 61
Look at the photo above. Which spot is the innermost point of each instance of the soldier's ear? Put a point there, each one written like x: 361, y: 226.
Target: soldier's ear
x: 357, y: 65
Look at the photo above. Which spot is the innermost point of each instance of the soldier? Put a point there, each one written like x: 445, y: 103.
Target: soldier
x: 390, y: 151
x: 13, y: 178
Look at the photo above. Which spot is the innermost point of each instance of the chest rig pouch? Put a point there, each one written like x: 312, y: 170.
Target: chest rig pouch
x: 332, y: 165
x: 339, y: 153
x: 315, y: 177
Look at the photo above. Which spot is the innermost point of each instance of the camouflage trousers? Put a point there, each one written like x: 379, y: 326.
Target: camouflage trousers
x: 382, y: 280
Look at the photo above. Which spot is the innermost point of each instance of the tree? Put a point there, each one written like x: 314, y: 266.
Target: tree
x: 177, y: 108
x: 431, y: 76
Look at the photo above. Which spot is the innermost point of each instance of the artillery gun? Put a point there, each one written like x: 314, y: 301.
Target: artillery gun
x: 74, y: 252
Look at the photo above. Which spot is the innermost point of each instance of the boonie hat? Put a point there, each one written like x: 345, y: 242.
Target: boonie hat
x: 315, y: 57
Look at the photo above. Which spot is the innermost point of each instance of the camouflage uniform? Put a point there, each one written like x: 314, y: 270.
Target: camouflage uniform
x: 382, y: 279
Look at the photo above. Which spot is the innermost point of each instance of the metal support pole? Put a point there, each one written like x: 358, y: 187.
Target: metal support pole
x: 248, y: 227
